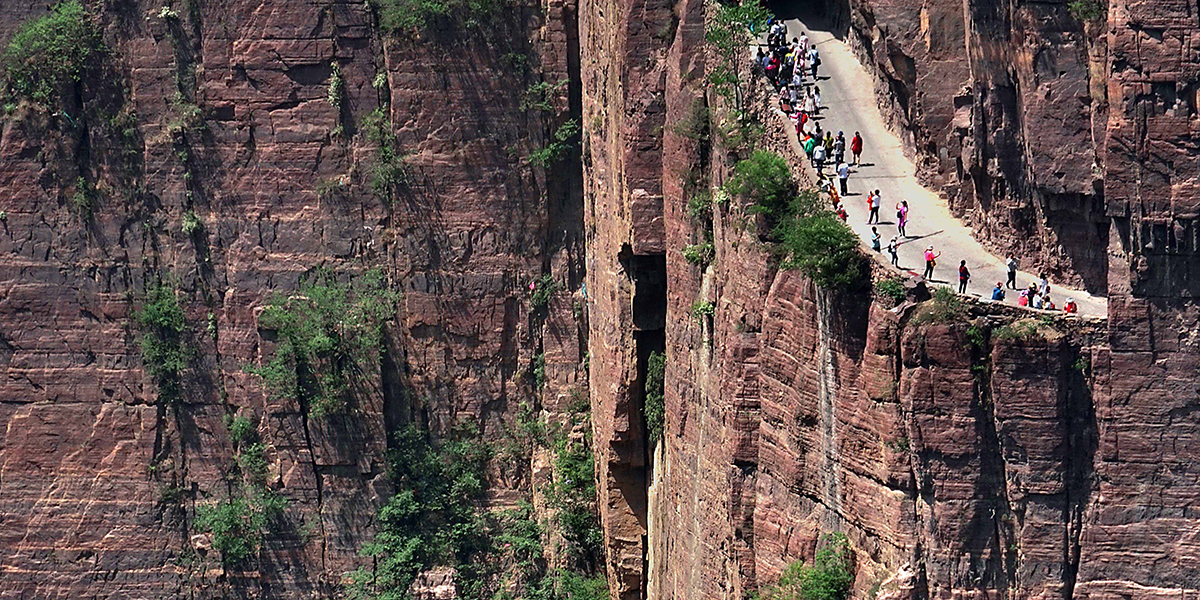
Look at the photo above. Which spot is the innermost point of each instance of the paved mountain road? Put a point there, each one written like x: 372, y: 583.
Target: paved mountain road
x: 847, y: 92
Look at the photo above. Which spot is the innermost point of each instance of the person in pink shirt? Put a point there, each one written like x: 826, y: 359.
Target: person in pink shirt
x: 902, y: 217
x: 930, y: 261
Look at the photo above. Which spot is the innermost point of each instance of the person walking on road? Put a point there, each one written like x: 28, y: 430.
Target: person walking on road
x: 818, y: 158
x: 856, y: 147
x: 963, y: 277
x: 930, y: 262
x: 902, y: 217
x: 1011, y: 263
x: 873, y: 202
x: 875, y: 239
x: 839, y: 147
x: 892, y: 251
x: 843, y: 172
x: 1043, y: 285
x: 814, y: 61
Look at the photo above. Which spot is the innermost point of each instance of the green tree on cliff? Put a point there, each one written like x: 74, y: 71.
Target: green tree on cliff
x: 51, y: 52
x: 164, y: 328
x: 829, y: 577
x: 330, y: 334
x: 729, y: 33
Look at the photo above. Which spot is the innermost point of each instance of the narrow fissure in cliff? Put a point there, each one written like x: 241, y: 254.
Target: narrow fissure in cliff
x: 649, y: 275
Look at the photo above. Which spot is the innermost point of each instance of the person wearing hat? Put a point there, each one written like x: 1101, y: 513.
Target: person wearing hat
x: 1069, y: 307
x: 892, y: 251
x: 998, y: 292
x: 930, y: 262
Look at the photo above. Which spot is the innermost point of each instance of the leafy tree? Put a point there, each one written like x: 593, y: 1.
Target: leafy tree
x: 433, y: 518
x: 829, y: 577
x: 50, y: 52
x: 823, y: 248
x: 766, y: 180
x: 237, y: 525
x: 729, y: 32
x: 555, y: 151
x: 410, y: 16
x: 330, y: 334
x: 1087, y: 10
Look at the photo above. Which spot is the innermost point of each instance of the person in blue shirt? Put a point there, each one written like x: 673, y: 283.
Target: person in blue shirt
x: 998, y: 292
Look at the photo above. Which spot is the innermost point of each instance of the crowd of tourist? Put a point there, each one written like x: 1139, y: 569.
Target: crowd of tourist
x: 792, y: 69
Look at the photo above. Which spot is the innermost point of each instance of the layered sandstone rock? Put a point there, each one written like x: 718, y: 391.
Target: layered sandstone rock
x: 624, y: 68
x: 100, y: 477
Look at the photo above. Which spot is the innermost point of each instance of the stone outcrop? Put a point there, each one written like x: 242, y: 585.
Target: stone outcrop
x: 624, y: 66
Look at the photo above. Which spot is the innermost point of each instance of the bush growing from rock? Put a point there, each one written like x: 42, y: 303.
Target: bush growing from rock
x: 50, y: 52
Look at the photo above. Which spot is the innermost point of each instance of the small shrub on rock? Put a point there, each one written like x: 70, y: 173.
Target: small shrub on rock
x: 50, y: 52
x: 654, y: 409
x: 699, y: 254
x: 765, y: 180
x: 945, y: 307
x: 892, y: 288
x: 163, y: 326
x: 829, y: 577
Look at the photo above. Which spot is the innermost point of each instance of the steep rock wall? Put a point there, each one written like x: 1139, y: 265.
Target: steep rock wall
x: 624, y: 67
x: 1138, y: 541
x: 963, y: 458
x: 281, y: 184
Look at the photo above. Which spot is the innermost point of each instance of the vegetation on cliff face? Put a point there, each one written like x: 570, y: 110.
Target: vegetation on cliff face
x: 811, y: 239
x: 164, y: 327
x: 329, y: 337
x: 820, y: 245
x: 829, y: 577
x: 238, y: 523
x: 407, y: 16
x: 51, y: 52
x: 765, y: 180
x: 565, y: 138
x: 729, y: 33
x: 1087, y: 10
x: 655, y: 411
x: 434, y: 517
x: 438, y: 517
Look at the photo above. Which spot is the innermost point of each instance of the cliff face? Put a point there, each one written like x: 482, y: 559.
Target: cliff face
x: 100, y: 477
x: 977, y: 455
x: 969, y: 452
x: 1148, y: 411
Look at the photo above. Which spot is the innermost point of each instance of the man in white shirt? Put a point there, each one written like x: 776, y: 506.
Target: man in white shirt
x: 843, y: 173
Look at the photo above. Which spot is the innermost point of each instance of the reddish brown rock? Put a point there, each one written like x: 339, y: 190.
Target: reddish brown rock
x: 100, y: 477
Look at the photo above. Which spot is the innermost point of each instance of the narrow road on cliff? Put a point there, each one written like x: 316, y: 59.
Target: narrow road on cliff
x: 848, y: 93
